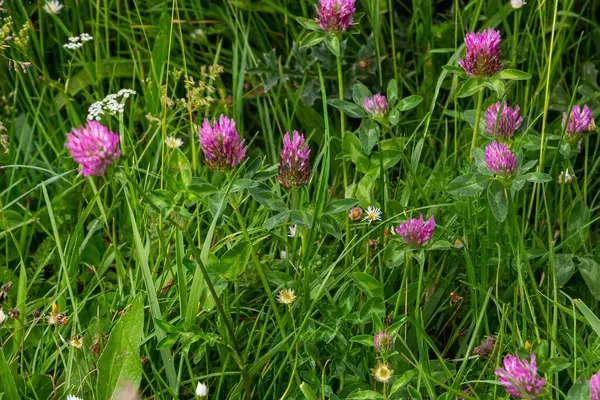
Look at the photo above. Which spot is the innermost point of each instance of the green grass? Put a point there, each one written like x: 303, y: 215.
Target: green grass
x: 166, y: 261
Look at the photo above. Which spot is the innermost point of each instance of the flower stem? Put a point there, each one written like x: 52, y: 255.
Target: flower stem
x: 477, y: 117
x: 342, y: 131
x: 261, y: 273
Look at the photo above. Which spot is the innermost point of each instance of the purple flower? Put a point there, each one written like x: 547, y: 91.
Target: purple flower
x: 335, y: 15
x: 519, y: 377
x: 580, y: 121
x: 500, y: 160
x: 595, y: 386
x: 294, y: 167
x: 355, y: 214
x: 508, y: 120
x: 376, y: 106
x: 383, y: 342
x: 221, y: 144
x: 482, y: 58
x: 93, y: 147
x: 414, y: 231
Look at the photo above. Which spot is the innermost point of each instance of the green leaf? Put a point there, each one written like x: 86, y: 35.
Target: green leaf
x: 554, y: 365
x: 590, y: 271
x: 364, y: 191
x: 408, y: 103
x: 537, y: 177
x: 470, y: 184
x: 578, y: 225
x: 163, y: 199
x: 580, y: 390
x: 7, y: 381
x: 392, y: 93
x: 312, y: 39
x: 402, y: 381
x: 233, y: 263
x: 455, y: 70
x: 589, y: 315
x: 512, y: 75
x: 353, y: 149
x: 394, y: 117
x: 269, y: 200
x: 276, y: 220
x: 331, y: 226
x: 351, y: 109
x: 368, y: 133
x: 368, y: 284
x: 498, y: 200
x: 308, y: 393
x: 333, y: 44
x: 165, y: 326
x: 167, y: 342
x: 365, y: 340
x: 360, y: 92
x: 120, y: 360
x: 301, y: 218
x: 565, y: 268
x: 179, y: 171
x: 497, y: 86
x: 308, y: 23
x: 469, y: 87
x: 365, y: 395
x: 338, y: 206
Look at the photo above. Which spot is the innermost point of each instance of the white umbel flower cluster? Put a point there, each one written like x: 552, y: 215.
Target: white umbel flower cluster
x: 76, y: 42
x: 112, y: 104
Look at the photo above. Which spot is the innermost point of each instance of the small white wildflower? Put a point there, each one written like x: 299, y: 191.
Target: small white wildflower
x: 173, y: 142
x: 286, y: 296
x: 198, y: 34
x: 282, y: 254
x: 86, y: 37
x: 71, y: 397
x: 565, y: 177
x: 53, y: 7
x: 76, y: 42
x: 73, y: 45
x: 3, y: 316
x: 201, y: 390
x: 516, y: 4
x: 111, y: 104
x: 292, y: 231
x: 373, y: 214
x: 74, y: 39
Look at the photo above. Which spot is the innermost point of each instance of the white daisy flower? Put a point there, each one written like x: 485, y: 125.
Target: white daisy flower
x: 373, y: 214
x: 173, y: 142
x: 516, y: 4
x: 53, y: 7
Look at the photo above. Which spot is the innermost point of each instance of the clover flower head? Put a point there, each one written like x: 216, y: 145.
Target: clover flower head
x: 294, y: 166
x: 221, y: 144
x: 482, y: 58
x: 382, y: 372
x: 520, y: 377
x: 93, y: 147
x: 500, y: 160
x: 355, y: 214
x: 502, y: 121
x: 415, y: 232
x: 595, y: 386
x: 376, y: 106
x: 335, y: 16
x: 383, y: 342
x: 580, y: 121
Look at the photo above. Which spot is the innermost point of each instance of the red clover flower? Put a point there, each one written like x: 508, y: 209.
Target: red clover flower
x: 500, y: 160
x: 294, y: 166
x: 415, y: 232
x: 93, y: 147
x: 520, y: 377
x: 508, y: 120
x: 580, y: 121
x: 335, y: 15
x: 376, y: 106
x: 482, y: 58
x: 221, y: 144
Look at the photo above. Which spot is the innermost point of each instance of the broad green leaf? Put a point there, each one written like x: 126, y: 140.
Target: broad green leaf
x: 590, y: 270
x: 163, y: 199
x: 7, y: 381
x: 470, y: 184
x: 368, y: 284
x: 565, y: 268
x: 308, y: 23
x: 333, y: 44
x: 179, y: 171
x: 338, y: 206
x: 394, y: 117
x: 589, y: 315
x: 512, y: 75
x: 537, y: 177
x: 349, y: 108
x: 366, y: 340
x: 408, y: 103
x: 364, y: 191
x: 402, y: 381
x: 331, y: 226
x: 497, y: 86
x: 234, y: 261
x: 392, y: 93
x: 368, y: 132
x: 165, y: 326
x: 554, y: 365
x: 360, y: 92
x: 120, y: 360
x: 312, y: 39
x: 167, y: 342
x: 365, y: 395
x: 455, y: 70
x: 301, y: 218
x: 353, y: 149
x: 270, y: 200
x: 498, y: 199
x: 469, y: 87
x: 308, y: 393
x: 276, y: 220
x: 580, y: 390
x: 577, y: 225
